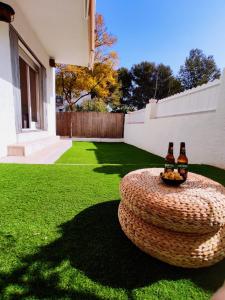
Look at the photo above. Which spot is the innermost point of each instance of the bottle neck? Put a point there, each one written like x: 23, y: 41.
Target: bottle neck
x: 170, y: 150
x: 182, y: 151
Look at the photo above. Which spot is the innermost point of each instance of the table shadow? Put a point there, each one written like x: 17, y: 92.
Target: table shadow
x: 94, y: 243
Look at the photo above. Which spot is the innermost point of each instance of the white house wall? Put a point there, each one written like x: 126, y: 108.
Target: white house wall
x: 23, y: 27
x: 196, y: 117
x: 7, y: 122
x: 7, y: 115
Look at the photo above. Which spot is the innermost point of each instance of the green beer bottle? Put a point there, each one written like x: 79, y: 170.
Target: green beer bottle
x: 169, y: 159
x: 182, y: 161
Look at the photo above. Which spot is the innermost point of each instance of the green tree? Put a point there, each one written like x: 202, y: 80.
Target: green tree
x: 97, y: 105
x: 122, y: 108
x: 166, y: 84
x: 125, y: 80
x: 144, y: 83
x: 121, y: 101
x: 152, y: 81
x: 198, y: 69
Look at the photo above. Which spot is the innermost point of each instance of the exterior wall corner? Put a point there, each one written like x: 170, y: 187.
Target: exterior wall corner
x: 7, y: 113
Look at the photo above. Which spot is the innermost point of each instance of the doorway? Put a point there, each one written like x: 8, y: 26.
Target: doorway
x: 29, y: 86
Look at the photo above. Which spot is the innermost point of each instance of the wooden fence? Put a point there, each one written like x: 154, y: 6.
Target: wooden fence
x: 90, y: 124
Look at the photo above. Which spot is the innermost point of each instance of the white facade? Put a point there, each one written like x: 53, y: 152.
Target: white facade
x: 42, y: 35
x: 196, y: 116
x: 7, y: 115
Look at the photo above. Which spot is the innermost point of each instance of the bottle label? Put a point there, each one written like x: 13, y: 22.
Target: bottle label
x: 182, y: 170
x: 183, y: 166
x: 169, y: 167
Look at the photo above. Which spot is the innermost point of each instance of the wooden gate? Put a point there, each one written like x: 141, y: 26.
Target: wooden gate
x: 90, y: 124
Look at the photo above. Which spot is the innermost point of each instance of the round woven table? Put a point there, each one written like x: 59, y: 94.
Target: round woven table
x: 183, y: 226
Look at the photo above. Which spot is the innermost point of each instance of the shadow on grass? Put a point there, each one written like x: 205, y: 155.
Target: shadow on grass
x: 214, y: 173
x: 93, y: 243
x: 122, y: 170
x: 121, y: 153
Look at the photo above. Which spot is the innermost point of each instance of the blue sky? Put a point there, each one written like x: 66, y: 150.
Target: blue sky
x: 164, y: 31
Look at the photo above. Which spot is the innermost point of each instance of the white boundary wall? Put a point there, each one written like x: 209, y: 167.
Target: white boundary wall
x: 196, y: 116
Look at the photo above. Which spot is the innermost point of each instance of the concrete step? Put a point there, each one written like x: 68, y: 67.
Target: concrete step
x: 28, y: 147
x: 31, y: 135
x: 48, y: 155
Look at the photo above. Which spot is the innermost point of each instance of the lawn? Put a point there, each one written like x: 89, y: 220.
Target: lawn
x: 60, y: 237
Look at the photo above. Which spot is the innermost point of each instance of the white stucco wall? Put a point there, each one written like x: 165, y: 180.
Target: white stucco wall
x: 24, y: 28
x: 196, y: 117
x: 7, y: 122
x: 7, y: 116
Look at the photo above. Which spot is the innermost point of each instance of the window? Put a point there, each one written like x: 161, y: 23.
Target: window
x: 29, y: 86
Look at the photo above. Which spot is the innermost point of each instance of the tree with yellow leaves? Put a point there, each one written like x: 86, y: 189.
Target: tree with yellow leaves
x: 74, y: 82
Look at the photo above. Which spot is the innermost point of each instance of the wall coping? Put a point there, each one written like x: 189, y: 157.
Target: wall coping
x: 192, y: 91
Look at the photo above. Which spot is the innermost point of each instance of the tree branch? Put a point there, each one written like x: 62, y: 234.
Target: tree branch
x: 81, y: 97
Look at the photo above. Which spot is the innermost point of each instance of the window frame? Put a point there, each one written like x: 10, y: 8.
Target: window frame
x: 32, y: 63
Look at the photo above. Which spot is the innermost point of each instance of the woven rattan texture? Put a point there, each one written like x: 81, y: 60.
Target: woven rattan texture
x: 196, y: 206
x: 183, y: 226
x: 176, y: 248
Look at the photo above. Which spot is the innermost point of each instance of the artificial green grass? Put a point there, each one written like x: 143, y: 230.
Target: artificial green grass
x: 107, y: 153
x: 60, y: 237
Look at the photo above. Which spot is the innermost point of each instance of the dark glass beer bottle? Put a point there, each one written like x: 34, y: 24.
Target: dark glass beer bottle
x: 182, y: 161
x: 170, y: 160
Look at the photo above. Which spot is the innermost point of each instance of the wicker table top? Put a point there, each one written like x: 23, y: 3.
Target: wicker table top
x: 197, y: 206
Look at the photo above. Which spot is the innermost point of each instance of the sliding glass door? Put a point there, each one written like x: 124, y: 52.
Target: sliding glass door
x: 34, y: 95
x: 29, y: 85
